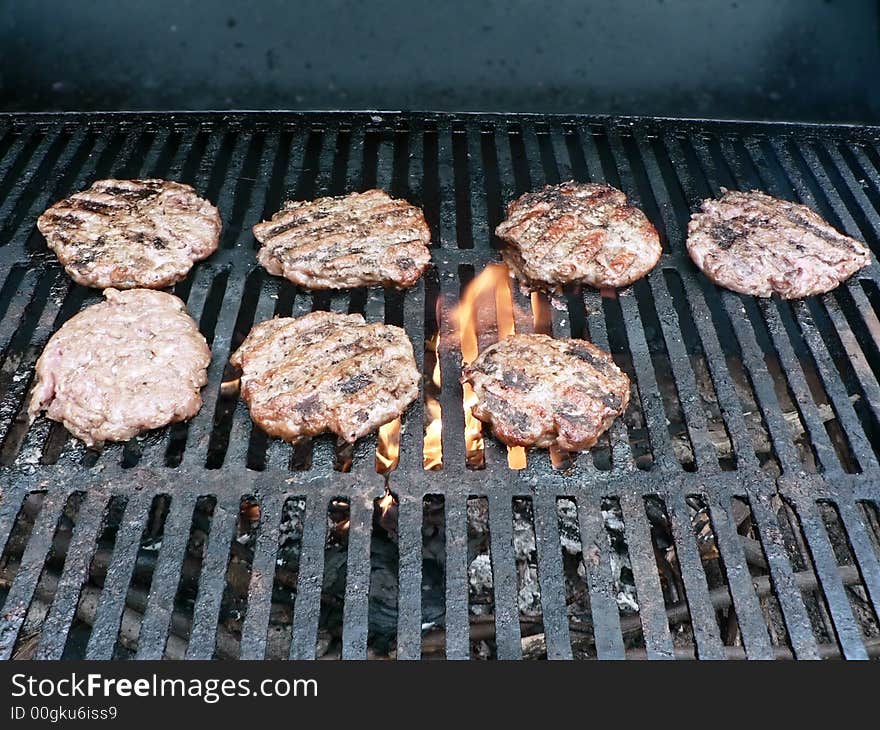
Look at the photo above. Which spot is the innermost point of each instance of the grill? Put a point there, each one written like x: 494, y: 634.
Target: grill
x: 752, y: 438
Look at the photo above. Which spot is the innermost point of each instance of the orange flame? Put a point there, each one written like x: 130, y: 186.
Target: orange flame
x: 388, y: 449
x: 493, y: 280
x: 542, y: 318
x: 432, y: 451
x: 386, y: 502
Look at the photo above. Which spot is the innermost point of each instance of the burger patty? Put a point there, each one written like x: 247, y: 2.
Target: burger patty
x: 754, y: 244
x: 133, y: 362
x: 538, y: 391
x: 131, y: 233
x: 577, y: 232
x: 326, y: 372
x: 360, y: 239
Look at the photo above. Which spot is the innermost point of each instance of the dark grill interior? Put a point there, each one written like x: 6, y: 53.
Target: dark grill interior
x: 742, y: 484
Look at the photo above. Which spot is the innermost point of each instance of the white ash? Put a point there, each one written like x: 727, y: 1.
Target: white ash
x: 291, y: 529
x: 481, y: 583
x: 478, y: 516
x: 569, y: 535
x: 525, y: 550
x: 529, y: 595
x: 524, y: 546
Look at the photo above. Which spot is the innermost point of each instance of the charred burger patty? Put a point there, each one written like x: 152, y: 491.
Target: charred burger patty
x: 755, y: 244
x: 538, y: 391
x: 133, y: 362
x: 131, y: 233
x: 360, y: 239
x: 326, y: 372
x: 578, y: 232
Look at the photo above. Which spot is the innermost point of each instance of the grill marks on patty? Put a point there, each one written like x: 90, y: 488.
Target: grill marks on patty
x: 360, y: 239
x: 578, y: 232
x: 538, y: 391
x: 131, y: 233
x: 326, y: 372
x: 755, y: 244
x: 133, y: 362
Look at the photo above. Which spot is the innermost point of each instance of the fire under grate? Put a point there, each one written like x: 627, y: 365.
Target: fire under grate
x: 732, y: 513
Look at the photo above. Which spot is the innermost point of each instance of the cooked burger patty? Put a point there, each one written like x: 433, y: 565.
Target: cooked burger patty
x: 539, y: 391
x: 361, y: 239
x: 326, y: 372
x: 131, y: 233
x: 577, y: 232
x: 755, y: 244
x: 133, y: 362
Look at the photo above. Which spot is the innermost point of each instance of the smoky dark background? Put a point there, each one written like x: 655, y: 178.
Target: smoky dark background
x: 808, y: 60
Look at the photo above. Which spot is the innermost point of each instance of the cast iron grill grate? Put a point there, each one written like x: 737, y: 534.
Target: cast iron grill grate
x: 766, y: 406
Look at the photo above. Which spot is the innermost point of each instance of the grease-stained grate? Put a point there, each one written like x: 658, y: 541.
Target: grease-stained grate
x: 750, y: 420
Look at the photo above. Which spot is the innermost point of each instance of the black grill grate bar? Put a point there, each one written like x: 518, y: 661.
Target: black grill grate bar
x: 112, y: 603
x: 354, y: 173
x: 782, y: 345
x: 791, y: 602
x: 854, y: 352
x: 409, y: 599
x: 150, y: 161
x: 212, y: 579
x: 780, y: 431
x: 684, y: 376
x: 166, y: 577
x: 834, y: 165
x: 807, y: 409
x: 17, y: 392
x: 867, y: 178
x: 694, y: 415
x: 18, y: 305
x: 39, y: 202
x: 409, y: 185
x: 21, y: 183
x: 652, y: 611
x: 199, y: 429
x: 742, y: 591
x: 241, y: 425
x: 843, y: 407
x: 820, y: 354
x: 55, y: 628
x: 307, y: 608
x: 705, y: 627
x: 622, y: 456
x: 551, y: 578
x: 728, y: 399
x: 254, y: 631
x: 457, y: 622
x: 561, y: 155
x: 685, y: 384
x: 863, y: 549
x: 848, y: 633
x: 452, y: 436
x: 13, y: 154
x: 10, y: 504
x: 18, y: 599
x: 412, y: 435
x: 126, y: 151
x: 597, y: 561
x: 481, y: 234
x: 648, y: 387
x: 823, y: 198
x: 508, y: 638
x: 357, y: 581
